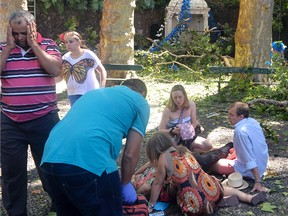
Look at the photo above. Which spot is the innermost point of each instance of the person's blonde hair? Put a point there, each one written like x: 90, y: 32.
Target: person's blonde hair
x: 77, y: 36
x: 158, y: 143
x: 171, y: 104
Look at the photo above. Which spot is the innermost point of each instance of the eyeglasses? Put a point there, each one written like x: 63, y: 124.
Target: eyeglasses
x: 18, y: 33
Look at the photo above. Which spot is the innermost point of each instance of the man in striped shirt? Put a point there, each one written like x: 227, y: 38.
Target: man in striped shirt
x: 29, y: 110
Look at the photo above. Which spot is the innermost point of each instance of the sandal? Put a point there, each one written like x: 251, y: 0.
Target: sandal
x: 229, y: 201
x: 259, y: 198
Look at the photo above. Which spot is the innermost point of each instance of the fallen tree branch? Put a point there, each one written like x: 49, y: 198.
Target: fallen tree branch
x: 268, y: 101
x: 226, y: 61
x: 155, y: 43
x: 175, y: 62
x: 170, y: 53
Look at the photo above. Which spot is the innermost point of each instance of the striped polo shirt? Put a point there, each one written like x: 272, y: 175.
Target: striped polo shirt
x: 28, y: 91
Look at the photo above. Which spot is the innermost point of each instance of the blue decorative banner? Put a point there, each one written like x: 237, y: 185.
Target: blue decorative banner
x: 185, y: 17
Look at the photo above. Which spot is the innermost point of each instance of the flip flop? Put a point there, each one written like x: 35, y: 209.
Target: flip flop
x: 259, y: 198
x: 229, y: 201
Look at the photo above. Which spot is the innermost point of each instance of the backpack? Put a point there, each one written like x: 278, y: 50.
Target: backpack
x: 139, y: 208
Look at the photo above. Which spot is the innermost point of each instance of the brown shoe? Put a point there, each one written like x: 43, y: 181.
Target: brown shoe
x: 258, y: 198
x: 225, y: 150
x: 229, y: 201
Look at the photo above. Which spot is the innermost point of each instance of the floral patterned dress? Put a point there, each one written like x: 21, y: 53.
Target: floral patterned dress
x: 146, y: 179
x: 197, y: 192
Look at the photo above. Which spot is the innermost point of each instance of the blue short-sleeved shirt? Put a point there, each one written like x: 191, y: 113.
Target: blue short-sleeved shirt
x: 90, y: 135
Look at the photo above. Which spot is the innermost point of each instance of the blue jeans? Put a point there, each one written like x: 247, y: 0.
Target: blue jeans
x: 15, y: 138
x: 73, y: 98
x: 76, y: 191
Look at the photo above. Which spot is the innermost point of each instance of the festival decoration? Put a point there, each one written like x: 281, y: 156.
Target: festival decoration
x: 184, y: 19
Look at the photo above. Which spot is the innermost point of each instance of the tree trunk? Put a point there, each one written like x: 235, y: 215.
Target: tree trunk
x: 117, y: 34
x: 254, y: 34
x: 6, y: 8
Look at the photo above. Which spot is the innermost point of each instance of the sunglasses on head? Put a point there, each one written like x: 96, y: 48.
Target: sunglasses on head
x: 18, y: 33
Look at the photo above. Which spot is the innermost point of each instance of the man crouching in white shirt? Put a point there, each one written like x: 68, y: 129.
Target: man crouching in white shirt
x: 249, y: 144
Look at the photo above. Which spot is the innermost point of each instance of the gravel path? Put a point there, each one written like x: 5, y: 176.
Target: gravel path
x: 217, y: 129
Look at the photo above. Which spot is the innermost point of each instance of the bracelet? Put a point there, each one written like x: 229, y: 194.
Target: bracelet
x: 258, y: 181
x: 170, y: 131
x: 150, y: 205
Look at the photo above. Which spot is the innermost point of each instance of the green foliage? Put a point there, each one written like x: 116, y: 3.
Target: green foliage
x: 72, y: 23
x: 96, y: 5
x: 280, y: 66
x: 278, y: 90
x: 146, y: 4
x: 91, y: 38
x: 186, y: 59
x: 244, y: 89
x: 268, y: 207
x: 226, y: 43
x: 79, y: 5
x: 151, y: 4
x: 141, y: 42
x: 280, y: 14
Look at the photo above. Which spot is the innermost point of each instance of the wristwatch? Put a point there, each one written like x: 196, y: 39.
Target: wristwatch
x: 150, y: 205
x: 170, y: 131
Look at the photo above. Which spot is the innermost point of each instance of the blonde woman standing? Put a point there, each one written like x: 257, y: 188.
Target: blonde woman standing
x: 79, y: 67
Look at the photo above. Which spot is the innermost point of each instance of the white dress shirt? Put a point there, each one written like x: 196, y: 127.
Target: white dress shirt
x: 250, y: 147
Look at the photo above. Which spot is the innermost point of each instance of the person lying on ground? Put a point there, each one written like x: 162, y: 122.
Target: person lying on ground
x: 197, y: 192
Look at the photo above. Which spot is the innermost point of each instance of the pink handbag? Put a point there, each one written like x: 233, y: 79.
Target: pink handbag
x: 186, y: 131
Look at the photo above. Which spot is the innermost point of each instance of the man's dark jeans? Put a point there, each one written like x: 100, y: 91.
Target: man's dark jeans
x: 76, y: 191
x: 15, y: 138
